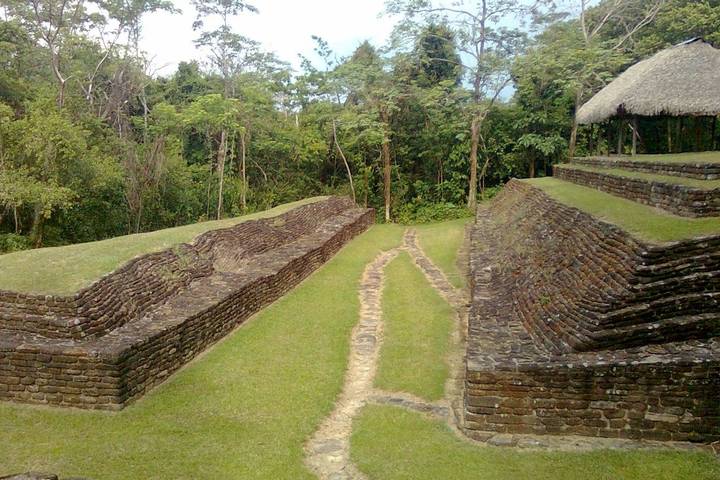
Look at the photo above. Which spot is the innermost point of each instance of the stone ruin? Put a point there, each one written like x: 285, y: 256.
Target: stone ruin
x: 114, y: 340
x: 578, y: 328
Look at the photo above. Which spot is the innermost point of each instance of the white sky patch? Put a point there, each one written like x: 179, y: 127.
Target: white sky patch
x: 282, y: 26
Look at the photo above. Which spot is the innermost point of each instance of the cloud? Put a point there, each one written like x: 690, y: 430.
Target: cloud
x: 282, y: 26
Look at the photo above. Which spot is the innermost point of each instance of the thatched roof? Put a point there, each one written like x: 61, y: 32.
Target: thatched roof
x: 683, y: 80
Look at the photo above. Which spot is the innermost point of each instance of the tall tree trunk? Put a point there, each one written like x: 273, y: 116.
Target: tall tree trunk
x: 347, y: 166
x: 138, y: 215
x: 38, y: 227
x: 386, y: 176
x: 574, y: 130
x: 474, y: 143
x: 531, y: 172
x: 222, y: 153
x: 635, y: 135
x: 387, y: 164
x: 243, y: 173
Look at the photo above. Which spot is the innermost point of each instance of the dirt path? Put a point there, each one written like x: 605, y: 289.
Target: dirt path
x: 328, y: 451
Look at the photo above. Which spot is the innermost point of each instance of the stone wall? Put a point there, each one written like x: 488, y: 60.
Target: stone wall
x: 250, y: 265
x: 577, y: 328
x: 147, y: 281
x: 699, y: 170
x: 678, y: 199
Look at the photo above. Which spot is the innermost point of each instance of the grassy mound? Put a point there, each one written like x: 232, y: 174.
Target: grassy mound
x: 65, y: 270
x: 647, y: 223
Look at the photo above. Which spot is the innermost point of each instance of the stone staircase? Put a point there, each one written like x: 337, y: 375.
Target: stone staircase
x: 578, y: 327
x: 689, y: 188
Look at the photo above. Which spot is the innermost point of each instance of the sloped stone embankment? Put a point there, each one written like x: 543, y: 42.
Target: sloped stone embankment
x: 114, y: 340
x: 578, y: 328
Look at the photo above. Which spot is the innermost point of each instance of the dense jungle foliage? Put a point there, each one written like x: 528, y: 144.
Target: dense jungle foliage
x: 93, y: 144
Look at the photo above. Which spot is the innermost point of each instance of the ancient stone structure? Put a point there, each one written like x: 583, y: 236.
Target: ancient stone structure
x: 114, y: 340
x: 675, y: 198
x: 690, y: 169
x: 578, y: 328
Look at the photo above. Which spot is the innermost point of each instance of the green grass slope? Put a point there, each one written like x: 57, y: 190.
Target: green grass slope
x: 390, y: 443
x: 242, y: 410
x: 441, y: 242
x: 65, y: 270
x: 416, y: 333
x: 647, y: 223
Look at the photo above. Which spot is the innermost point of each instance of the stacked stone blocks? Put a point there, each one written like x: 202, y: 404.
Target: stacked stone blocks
x: 116, y: 339
x: 578, y: 328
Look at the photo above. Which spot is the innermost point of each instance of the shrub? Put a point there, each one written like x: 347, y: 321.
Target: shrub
x: 11, y: 242
x: 430, y: 212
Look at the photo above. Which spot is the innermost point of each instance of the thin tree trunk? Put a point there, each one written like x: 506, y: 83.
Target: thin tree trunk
x: 635, y: 135
x: 386, y: 176
x: 531, y: 173
x: 347, y: 166
x: 575, y: 126
x: 678, y: 135
x: 474, y: 143
x: 37, y: 228
x: 138, y: 217
x: 222, y: 153
x: 243, y: 173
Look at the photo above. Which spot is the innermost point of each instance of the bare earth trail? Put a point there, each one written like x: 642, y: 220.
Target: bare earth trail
x: 328, y: 451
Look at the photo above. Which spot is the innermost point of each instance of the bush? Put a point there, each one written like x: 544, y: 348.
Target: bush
x: 11, y: 242
x: 430, y: 212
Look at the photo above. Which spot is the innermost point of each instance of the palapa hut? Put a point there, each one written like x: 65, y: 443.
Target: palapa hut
x: 681, y: 81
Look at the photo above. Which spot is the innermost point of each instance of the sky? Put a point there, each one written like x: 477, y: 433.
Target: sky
x: 282, y: 26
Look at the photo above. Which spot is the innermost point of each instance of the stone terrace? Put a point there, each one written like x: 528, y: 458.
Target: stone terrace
x: 116, y: 339
x: 578, y: 328
x: 685, y: 188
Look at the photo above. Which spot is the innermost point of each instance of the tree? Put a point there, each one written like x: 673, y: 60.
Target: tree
x: 629, y: 15
x: 229, y: 53
x: 488, y: 44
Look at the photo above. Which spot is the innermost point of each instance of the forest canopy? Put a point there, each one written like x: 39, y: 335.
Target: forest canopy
x: 465, y: 95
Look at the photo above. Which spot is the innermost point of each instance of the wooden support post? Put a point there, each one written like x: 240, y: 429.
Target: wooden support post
x: 714, y: 133
x: 634, y: 134
x: 669, y: 135
x: 621, y: 137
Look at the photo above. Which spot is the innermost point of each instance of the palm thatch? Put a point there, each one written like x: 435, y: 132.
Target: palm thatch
x: 683, y: 80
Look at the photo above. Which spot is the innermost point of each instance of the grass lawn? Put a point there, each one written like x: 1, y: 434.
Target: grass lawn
x: 390, y: 443
x: 690, y: 157
x: 65, y: 270
x: 441, y: 242
x: 650, y: 177
x: 645, y: 222
x: 242, y: 410
x: 417, y: 327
